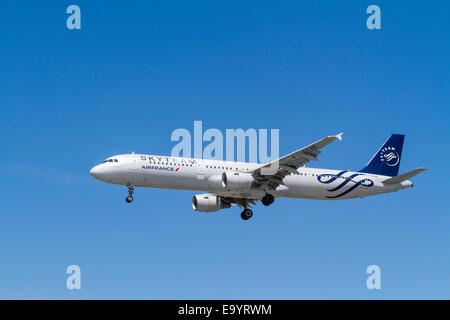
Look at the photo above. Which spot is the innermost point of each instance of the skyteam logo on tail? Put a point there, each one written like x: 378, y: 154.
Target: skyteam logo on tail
x: 386, y: 161
x: 389, y: 156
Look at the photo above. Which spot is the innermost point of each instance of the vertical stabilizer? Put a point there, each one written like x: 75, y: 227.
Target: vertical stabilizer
x: 387, y: 160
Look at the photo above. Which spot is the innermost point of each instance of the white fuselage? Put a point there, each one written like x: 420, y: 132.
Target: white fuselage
x: 205, y: 175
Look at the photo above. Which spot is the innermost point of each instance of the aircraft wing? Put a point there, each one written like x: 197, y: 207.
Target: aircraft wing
x: 273, y: 173
x: 239, y: 202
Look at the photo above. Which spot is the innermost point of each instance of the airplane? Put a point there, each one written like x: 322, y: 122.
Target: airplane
x: 241, y: 184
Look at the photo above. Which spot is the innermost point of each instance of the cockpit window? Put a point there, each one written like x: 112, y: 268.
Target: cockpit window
x: 110, y: 160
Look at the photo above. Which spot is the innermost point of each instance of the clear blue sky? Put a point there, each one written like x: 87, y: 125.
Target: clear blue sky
x: 138, y: 70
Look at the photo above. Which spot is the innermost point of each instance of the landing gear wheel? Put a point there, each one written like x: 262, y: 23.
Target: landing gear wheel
x: 268, y: 199
x: 130, y: 194
x: 246, y: 214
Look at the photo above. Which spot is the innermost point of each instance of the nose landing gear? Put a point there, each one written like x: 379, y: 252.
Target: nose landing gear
x: 130, y: 194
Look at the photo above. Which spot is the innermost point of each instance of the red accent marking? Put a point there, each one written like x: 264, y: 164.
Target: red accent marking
x: 177, y: 169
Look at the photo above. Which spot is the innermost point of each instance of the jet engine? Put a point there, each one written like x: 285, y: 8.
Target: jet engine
x: 215, y: 182
x: 208, y: 203
x: 236, y: 181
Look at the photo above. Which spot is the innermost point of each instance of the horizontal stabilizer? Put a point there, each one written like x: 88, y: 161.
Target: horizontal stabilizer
x: 404, y: 176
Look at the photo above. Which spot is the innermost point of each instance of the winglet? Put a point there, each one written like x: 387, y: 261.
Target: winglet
x: 339, y: 136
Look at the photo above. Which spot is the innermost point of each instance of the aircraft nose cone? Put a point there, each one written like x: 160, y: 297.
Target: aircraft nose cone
x: 93, y: 171
x: 96, y: 172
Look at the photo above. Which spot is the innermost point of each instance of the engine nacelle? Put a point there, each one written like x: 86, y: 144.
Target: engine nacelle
x: 236, y: 181
x: 215, y: 182
x: 208, y: 203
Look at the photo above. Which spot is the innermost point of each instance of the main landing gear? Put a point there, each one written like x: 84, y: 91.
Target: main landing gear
x: 130, y: 194
x: 246, y: 214
x: 268, y: 199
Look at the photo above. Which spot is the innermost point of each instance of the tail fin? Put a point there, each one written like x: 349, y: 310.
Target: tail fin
x: 387, y: 160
